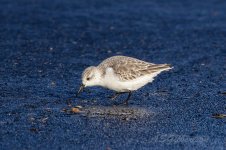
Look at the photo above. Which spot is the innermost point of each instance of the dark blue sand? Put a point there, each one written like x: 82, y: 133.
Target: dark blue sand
x: 46, y: 44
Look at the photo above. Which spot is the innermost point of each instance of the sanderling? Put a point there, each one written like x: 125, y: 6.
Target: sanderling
x: 121, y: 74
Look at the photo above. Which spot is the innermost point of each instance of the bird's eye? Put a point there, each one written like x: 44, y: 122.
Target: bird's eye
x: 88, y: 79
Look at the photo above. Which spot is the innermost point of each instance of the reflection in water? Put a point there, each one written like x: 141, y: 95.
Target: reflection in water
x: 123, y: 112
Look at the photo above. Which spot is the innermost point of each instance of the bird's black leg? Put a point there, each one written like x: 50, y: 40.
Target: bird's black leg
x: 126, y: 101
x: 115, y: 95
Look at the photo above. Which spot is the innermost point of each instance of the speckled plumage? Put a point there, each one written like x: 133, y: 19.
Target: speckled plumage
x: 122, y: 73
x: 128, y: 68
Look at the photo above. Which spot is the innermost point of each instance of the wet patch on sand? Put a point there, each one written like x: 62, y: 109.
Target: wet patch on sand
x: 121, y: 112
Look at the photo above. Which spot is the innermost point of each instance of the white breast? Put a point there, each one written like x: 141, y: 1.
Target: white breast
x: 111, y: 81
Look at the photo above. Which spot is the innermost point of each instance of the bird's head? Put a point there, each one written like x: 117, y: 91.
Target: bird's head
x: 90, y: 77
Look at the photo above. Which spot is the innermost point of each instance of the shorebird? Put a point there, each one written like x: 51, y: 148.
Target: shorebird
x: 121, y: 74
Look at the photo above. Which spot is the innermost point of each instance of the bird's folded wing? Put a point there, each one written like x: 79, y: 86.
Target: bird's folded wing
x: 130, y: 70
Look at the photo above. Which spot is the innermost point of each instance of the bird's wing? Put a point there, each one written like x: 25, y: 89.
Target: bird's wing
x: 128, y: 68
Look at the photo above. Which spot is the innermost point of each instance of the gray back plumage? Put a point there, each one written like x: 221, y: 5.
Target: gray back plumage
x: 128, y: 68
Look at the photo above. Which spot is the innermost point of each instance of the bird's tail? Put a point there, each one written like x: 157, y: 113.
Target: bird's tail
x: 168, y: 66
x: 164, y: 67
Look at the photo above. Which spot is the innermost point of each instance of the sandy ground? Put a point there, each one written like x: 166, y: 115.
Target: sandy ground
x: 45, y: 45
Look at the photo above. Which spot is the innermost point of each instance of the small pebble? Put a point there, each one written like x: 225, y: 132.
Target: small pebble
x: 75, y: 110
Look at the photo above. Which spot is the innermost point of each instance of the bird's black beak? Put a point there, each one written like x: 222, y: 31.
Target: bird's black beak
x: 82, y: 86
